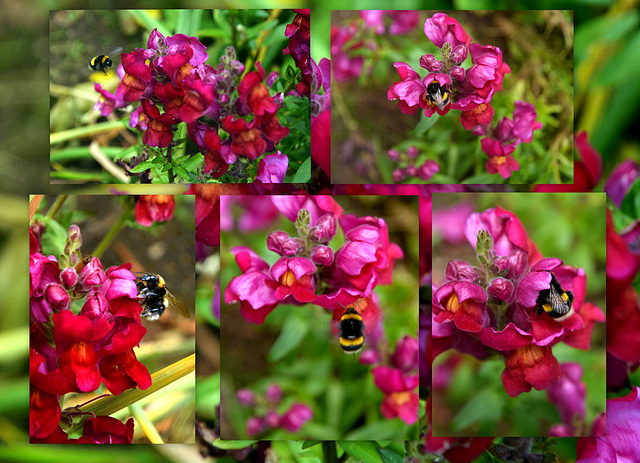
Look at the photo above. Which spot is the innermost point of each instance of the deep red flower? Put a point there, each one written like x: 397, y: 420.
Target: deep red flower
x: 123, y: 371
x: 44, y: 413
x: 530, y: 366
x: 137, y: 76
x: 106, y: 430
x: 159, y: 128
x: 154, y: 208
x: 256, y: 94
x: 246, y: 139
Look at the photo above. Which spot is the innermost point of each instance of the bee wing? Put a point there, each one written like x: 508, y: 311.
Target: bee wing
x: 176, y: 306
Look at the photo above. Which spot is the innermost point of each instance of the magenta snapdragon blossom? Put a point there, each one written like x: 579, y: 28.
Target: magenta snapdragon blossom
x: 309, y: 268
x: 506, y: 136
x: 172, y: 83
x: 77, y: 352
x: 496, y: 303
x: 467, y: 89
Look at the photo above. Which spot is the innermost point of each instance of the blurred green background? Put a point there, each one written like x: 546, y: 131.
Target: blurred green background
x: 296, y: 349
x: 569, y: 226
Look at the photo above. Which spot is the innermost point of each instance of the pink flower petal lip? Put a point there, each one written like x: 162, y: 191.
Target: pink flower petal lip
x: 510, y: 338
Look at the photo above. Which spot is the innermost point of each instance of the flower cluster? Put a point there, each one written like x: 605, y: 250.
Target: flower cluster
x: 78, y: 352
x: 309, y: 270
x: 299, y: 34
x: 458, y: 88
x: 504, y: 138
x: 402, y: 21
x: 291, y: 420
x: 172, y: 82
x: 399, y: 381
x: 407, y: 165
x: 497, y: 306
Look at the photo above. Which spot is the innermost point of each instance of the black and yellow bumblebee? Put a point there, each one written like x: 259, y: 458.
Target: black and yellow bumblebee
x: 102, y: 62
x: 555, y: 301
x: 155, y: 297
x: 351, y: 331
x: 436, y: 95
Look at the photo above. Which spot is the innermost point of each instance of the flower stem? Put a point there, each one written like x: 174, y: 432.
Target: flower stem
x: 329, y: 452
x: 111, y: 234
x: 55, y: 207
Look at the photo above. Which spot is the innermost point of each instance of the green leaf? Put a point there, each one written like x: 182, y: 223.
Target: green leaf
x: 192, y: 162
x: 146, y: 165
x: 425, y: 124
x: 485, y: 406
x: 293, y: 331
x: 388, y: 456
x: 631, y: 202
x: 303, y: 175
x: 366, y: 452
x: 483, y: 179
x: 232, y: 444
x: 310, y: 443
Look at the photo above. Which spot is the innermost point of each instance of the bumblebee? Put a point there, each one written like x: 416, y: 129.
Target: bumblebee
x: 102, y: 62
x: 437, y: 96
x: 350, y: 331
x: 555, y: 301
x: 155, y: 298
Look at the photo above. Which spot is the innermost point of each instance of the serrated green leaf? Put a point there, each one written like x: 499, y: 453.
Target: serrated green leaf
x: 366, y: 452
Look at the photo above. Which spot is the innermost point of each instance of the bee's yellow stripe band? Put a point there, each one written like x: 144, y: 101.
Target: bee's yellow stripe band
x: 351, y: 342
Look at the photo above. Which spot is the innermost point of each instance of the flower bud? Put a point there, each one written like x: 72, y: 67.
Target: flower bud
x: 324, y: 230
x: 499, y: 265
x: 73, y: 241
x: 484, y: 242
x: 405, y: 357
x: 427, y: 60
x: 275, y: 240
x: 500, y: 289
x: 57, y: 297
x: 459, y: 53
x: 399, y: 175
x: 457, y: 73
x: 322, y: 255
x: 95, y: 306
x: 296, y: 416
x: 461, y: 271
x: 292, y: 247
x: 272, y: 419
x: 255, y: 425
x: 274, y: 393
x: 412, y: 152
x: 369, y: 357
x: 69, y: 277
x: 394, y: 155
x: 245, y: 397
